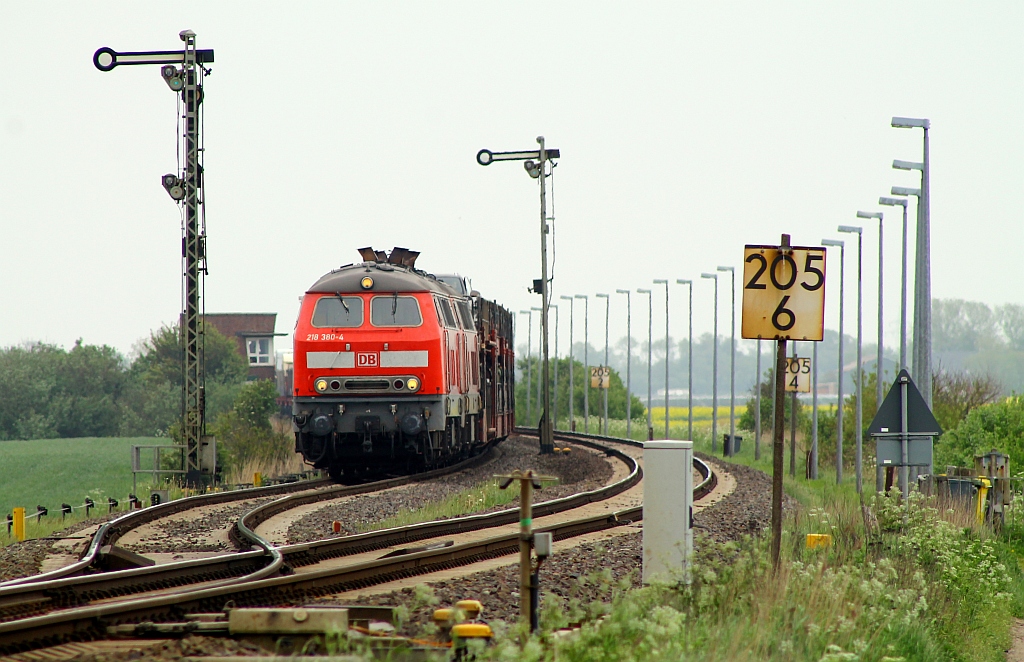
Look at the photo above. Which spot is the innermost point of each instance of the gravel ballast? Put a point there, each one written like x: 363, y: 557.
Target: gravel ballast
x: 580, y: 470
x: 22, y: 559
x: 590, y: 571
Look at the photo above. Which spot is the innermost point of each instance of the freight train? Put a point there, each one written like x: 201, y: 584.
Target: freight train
x: 398, y: 370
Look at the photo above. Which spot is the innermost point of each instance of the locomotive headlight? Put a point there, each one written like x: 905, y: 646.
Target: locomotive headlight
x: 413, y: 384
x: 320, y: 385
x: 366, y: 282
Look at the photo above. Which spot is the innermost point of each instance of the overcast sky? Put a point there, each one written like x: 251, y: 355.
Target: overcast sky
x: 686, y: 131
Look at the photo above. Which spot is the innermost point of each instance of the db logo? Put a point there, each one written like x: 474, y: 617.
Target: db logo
x: 367, y: 360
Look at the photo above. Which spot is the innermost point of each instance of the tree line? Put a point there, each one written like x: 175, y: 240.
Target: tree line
x: 95, y: 391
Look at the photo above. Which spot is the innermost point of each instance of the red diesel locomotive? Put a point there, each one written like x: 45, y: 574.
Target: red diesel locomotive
x: 397, y: 369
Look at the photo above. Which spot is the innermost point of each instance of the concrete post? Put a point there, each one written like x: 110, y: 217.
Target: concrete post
x: 668, y: 502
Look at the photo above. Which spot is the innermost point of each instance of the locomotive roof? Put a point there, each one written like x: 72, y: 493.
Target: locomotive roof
x: 386, y: 278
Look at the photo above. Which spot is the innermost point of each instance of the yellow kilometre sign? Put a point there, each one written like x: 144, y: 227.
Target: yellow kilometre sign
x: 798, y: 374
x: 600, y: 377
x: 783, y: 292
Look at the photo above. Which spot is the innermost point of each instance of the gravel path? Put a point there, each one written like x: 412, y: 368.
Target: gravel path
x: 593, y: 571
x: 580, y: 470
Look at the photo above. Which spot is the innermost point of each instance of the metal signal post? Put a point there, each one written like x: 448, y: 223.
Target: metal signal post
x: 538, y: 170
x: 183, y: 71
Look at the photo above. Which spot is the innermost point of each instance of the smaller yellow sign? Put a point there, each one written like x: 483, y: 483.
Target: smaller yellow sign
x: 798, y: 374
x: 600, y: 377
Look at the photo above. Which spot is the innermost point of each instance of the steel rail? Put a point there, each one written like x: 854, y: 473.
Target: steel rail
x: 69, y: 589
x: 111, y: 531
x: 89, y: 622
x: 251, y: 566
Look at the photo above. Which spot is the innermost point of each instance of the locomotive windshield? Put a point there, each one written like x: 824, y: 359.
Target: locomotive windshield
x: 395, y: 311
x: 334, y: 312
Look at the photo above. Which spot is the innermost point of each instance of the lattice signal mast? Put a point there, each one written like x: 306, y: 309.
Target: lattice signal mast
x: 183, y: 72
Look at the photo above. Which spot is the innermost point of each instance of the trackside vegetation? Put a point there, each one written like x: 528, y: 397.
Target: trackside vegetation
x: 921, y: 588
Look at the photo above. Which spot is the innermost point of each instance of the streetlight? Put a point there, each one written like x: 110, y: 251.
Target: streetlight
x: 903, y: 191
x: 668, y: 348
x: 689, y: 362
x: 879, y: 479
x: 732, y: 359
x: 859, y: 231
x: 839, y: 412
x: 554, y: 400
x: 538, y: 372
x: 650, y: 329
x: 607, y: 306
x: 529, y: 359
x: 714, y: 369
x: 629, y: 357
x: 922, y: 265
x: 878, y: 361
x: 572, y: 384
x: 586, y: 362
x: 814, y: 406
x: 757, y: 403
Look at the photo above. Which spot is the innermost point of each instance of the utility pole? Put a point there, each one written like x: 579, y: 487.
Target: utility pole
x: 183, y: 73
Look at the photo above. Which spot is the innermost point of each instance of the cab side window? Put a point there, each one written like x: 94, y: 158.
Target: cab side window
x: 445, y: 313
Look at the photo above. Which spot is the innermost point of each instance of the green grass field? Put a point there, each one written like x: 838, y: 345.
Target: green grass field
x: 49, y: 472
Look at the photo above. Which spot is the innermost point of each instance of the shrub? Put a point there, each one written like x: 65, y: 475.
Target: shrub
x: 245, y: 434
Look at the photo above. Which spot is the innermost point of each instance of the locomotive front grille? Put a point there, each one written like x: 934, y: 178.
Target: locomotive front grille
x: 367, y: 385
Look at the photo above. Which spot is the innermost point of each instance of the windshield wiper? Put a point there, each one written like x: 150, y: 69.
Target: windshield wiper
x: 343, y: 304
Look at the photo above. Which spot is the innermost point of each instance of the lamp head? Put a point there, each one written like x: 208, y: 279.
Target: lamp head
x: 893, y: 202
x: 907, y: 165
x: 684, y: 281
x: 566, y: 297
x: 660, y: 281
x: 833, y: 242
x: 726, y: 269
x: 870, y: 214
x: 581, y: 296
x: 707, y: 275
x: 626, y: 292
x: 851, y: 228
x: 524, y: 312
x: 601, y: 296
x: 537, y: 308
x: 642, y: 290
x: 903, y: 190
x: 910, y: 123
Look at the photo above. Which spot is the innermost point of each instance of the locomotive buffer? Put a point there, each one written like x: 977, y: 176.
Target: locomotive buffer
x: 182, y: 71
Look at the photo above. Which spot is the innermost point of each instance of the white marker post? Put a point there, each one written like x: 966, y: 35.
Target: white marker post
x: 668, y: 502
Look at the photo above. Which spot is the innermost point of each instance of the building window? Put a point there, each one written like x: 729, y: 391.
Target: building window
x: 260, y: 350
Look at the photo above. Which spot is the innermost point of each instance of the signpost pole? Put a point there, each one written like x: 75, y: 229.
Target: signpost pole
x: 783, y: 299
x: 778, y: 446
x: 904, y: 454
x: 792, y: 433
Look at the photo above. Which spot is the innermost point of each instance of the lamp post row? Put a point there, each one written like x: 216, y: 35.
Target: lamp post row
x: 922, y: 318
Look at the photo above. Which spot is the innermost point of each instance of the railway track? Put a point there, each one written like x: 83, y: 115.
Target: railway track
x: 109, y: 533
x: 42, y: 613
